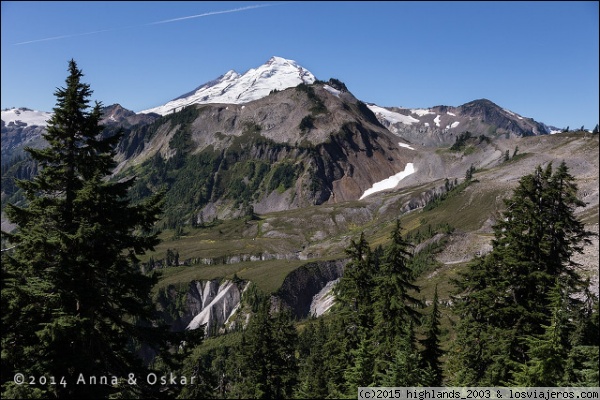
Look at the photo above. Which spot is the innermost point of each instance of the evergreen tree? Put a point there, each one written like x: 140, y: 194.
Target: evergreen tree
x: 432, y: 351
x: 75, y: 303
x: 548, y: 352
x: 257, y: 356
x: 361, y: 373
x: 406, y: 368
x: 394, y: 305
x: 342, y: 340
x: 313, y: 374
x: 504, y: 296
x: 354, y: 291
x: 285, y: 367
x: 268, y: 367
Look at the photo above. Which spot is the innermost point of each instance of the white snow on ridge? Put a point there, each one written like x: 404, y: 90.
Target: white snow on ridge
x: 391, y: 116
x: 454, y: 124
x: 405, y: 145
x: 331, y: 90
x: 437, y: 120
x: 232, y: 88
x: 391, y: 182
x: 512, y: 113
x: 449, y: 113
x: 420, y: 112
x: 25, y: 115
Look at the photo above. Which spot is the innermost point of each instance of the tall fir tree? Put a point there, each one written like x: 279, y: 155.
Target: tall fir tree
x: 354, y: 292
x: 313, y: 374
x: 406, y: 368
x: 503, y: 297
x: 547, y: 352
x: 361, y: 372
x: 432, y: 352
x: 268, y: 367
x: 395, y: 305
x: 75, y: 303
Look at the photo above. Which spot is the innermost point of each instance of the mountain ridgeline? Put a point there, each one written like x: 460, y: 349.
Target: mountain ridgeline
x: 420, y: 239
x: 301, y: 146
x: 274, y: 138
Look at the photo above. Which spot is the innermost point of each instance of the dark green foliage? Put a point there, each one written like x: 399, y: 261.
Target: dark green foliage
x: 355, y: 290
x: 394, y: 304
x: 283, y: 176
x: 452, y: 190
x: 406, y: 368
x: 469, y: 173
x: 313, y: 374
x: 18, y: 168
x: 432, y: 352
x: 461, y: 141
x: 318, y: 107
x: 361, y: 372
x: 504, y: 296
x: 267, y: 365
x: 74, y: 298
x: 337, y: 84
x: 307, y: 123
x: 548, y: 351
x: 184, y: 119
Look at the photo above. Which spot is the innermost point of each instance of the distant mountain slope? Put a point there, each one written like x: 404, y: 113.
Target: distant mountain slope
x: 302, y: 146
x: 233, y: 88
x: 22, y: 127
x: 441, y: 125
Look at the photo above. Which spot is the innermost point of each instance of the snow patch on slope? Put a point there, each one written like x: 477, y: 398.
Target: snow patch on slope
x: 331, y: 90
x: 420, y: 112
x: 391, y: 182
x: 391, y: 116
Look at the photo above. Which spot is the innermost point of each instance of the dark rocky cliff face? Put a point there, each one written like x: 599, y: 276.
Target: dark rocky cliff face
x: 300, y: 286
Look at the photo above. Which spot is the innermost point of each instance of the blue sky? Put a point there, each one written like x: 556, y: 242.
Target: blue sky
x: 539, y: 59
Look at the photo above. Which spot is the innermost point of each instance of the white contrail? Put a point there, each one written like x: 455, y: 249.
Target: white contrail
x: 152, y: 23
x: 62, y: 37
x: 211, y: 13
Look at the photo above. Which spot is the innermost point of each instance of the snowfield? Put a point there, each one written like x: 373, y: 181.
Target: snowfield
x: 391, y: 182
x: 391, y: 116
x: 26, y: 116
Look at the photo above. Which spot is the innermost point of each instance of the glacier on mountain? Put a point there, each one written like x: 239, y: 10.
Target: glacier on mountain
x: 25, y: 116
x: 232, y: 88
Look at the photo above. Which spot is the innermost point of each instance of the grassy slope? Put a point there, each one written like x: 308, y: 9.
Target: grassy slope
x: 324, y: 231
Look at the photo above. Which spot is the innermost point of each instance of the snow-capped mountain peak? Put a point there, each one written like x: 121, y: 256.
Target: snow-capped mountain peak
x: 232, y: 88
x: 25, y: 117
